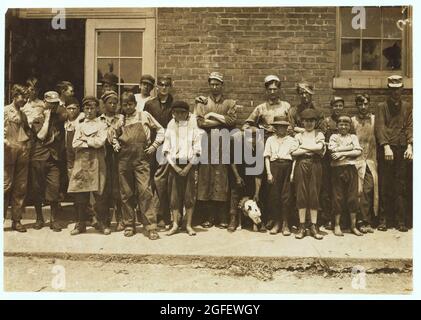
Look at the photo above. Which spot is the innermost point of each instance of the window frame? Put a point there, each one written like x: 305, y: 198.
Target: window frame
x: 372, y: 78
x: 146, y: 25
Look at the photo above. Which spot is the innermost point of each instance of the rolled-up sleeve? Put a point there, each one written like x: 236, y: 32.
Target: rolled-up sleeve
x: 231, y: 115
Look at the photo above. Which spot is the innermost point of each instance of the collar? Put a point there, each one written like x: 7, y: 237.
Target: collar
x: 364, y: 117
x: 220, y: 98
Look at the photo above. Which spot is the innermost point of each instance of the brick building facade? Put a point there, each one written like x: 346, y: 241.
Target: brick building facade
x: 245, y: 44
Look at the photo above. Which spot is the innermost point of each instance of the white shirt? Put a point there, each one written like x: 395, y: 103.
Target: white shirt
x: 280, y: 148
x: 141, y: 101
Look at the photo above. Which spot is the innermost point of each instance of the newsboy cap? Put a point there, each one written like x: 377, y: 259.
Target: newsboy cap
x: 217, y: 76
x: 109, y: 94
x: 306, y: 87
x: 280, y: 121
x: 89, y: 99
x: 147, y: 78
x: 309, y: 114
x: 51, y: 96
x: 272, y: 77
x: 395, y: 81
x: 336, y: 99
x: 182, y: 105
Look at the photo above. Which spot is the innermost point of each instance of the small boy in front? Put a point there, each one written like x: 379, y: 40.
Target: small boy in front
x: 278, y: 162
x: 344, y: 149
x: 182, y: 148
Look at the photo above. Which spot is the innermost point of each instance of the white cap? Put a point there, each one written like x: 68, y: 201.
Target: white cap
x: 271, y: 77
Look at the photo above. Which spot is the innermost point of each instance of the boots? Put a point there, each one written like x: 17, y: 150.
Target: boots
x: 80, y: 227
x: 54, y: 225
x: 17, y: 226
x: 315, y: 233
x: 39, y: 223
x: 301, y: 231
x: 232, y: 226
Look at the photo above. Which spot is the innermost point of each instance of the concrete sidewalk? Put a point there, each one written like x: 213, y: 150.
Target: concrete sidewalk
x: 380, y: 250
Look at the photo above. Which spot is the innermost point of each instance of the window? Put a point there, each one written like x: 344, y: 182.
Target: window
x: 368, y: 54
x: 119, y: 58
x: 121, y: 50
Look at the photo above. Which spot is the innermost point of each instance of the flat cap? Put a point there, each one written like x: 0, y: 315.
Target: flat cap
x: 51, y: 96
x: 336, y: 99
x: 395, y: 81
x: 181, y: 105
x: 89, y: 99
x: 217, y: 76
x: 109, y: 94
x: 147, y: 78
x: 306, y: 87
x: 271, y: 77
x: 309, y: 114
x: 280, y: 121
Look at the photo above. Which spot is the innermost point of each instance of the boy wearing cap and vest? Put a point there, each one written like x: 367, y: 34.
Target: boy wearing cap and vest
x: 147, y: 82
x: 344, y: 149
x: 113, y: 120
x: 46, y: 154
x: 136, y: 148
x: 366, y: 163
x: 89, y: 169
x: 394, y: 135
x: 16, y: 156
x: 278, y: 161
x: 213, y: 114
x: 182, y: 148
x: 308, y: 171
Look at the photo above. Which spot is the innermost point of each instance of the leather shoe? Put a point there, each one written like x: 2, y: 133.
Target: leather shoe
x: 17, y: 226
x: 55, y: 226
x: 301, y: 233
x: 402, y: 228
x: 233, y: 223
x: 315, y: 233
x: 39, y: 224
x: 382, y: 227
x: 153, y: 235
x: 79, y: 228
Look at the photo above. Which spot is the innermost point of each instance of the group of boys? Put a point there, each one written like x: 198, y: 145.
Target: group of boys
x: 111, y: 153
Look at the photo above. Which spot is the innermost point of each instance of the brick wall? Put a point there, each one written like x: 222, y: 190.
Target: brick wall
x: 246, y: 44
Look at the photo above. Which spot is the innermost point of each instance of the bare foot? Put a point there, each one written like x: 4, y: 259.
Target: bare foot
x: 275, y: 229
x: 190, y: 231
x: 173, y: 230
x: 338, y: 232
x: 356, y: 232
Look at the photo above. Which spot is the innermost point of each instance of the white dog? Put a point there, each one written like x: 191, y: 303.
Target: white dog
x: 250, y: 209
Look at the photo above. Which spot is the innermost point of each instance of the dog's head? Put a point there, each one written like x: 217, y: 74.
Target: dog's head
x: 252, y: 211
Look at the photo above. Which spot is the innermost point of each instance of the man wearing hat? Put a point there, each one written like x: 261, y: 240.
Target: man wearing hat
x: 394, y: 135
x: 46, y: 155
x: 278, y: 162
x: 308, y: 171
x: 263, y: 114
x: 160, y: 108
x: 305, y: 92
x: 16, y: 156
x: 214, y: 113
x: 366, y: 163
x: 147, y: 83
x: 182, y: 148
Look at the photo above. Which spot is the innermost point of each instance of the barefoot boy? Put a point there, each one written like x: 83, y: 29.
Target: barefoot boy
x: 182, y: 148
x: 278, y: 161
x: 344, y: 148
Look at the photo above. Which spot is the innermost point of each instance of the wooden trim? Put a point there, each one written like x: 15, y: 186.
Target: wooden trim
x: 366, y: 82
x: 88, y: 13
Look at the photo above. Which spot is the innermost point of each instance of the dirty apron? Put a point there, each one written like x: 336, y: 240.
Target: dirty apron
x: 134, y: 177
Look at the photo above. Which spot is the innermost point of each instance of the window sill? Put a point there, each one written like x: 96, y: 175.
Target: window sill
x: 366, y: 82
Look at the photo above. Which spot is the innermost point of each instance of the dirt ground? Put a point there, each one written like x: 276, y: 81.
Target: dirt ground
x: 40, y: 274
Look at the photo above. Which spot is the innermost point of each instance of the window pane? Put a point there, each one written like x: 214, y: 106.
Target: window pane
x: 131, y: 70
x: 390, y: 17
x: 346, y: 23
x: 392, y: 55
x: 107, y: 44
x: 107, y: 68
x: 350, y: 54
x: 373, y: 22
x: 131, y: 44
x: 371, y: 55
